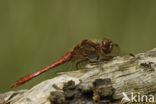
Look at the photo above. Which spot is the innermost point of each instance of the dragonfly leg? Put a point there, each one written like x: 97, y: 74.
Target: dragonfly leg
x: 97, y: 58
x: 77, y: 64
x: 108, y: 58
x: 96, y: 61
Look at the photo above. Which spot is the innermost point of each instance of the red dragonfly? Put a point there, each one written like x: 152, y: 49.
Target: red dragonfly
x: 85, y: 50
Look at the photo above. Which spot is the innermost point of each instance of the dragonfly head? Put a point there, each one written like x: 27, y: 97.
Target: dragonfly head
x: 107, y: 46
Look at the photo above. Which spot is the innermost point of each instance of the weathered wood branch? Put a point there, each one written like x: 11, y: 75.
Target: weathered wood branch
x: 100, y: 83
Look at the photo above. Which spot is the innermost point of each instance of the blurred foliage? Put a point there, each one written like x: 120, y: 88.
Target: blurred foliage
x: 35, y: 33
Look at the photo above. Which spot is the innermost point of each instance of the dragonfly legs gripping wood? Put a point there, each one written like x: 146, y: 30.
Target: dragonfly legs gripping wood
x: 81, y: 61
x: 108, y: 58
x: 85, y: 60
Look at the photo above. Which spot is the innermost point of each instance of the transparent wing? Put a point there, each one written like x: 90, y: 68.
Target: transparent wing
x: 72, y: 66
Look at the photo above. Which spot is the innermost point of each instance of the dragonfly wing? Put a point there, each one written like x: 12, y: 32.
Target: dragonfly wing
x: 73, y: 65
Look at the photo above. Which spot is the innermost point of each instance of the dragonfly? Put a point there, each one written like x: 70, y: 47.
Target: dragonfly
x: 83, y: 51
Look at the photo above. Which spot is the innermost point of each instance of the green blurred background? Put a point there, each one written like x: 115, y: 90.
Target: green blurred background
x: 35, y: 33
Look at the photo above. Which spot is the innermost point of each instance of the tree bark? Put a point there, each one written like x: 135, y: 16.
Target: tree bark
x: 101, y: 83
